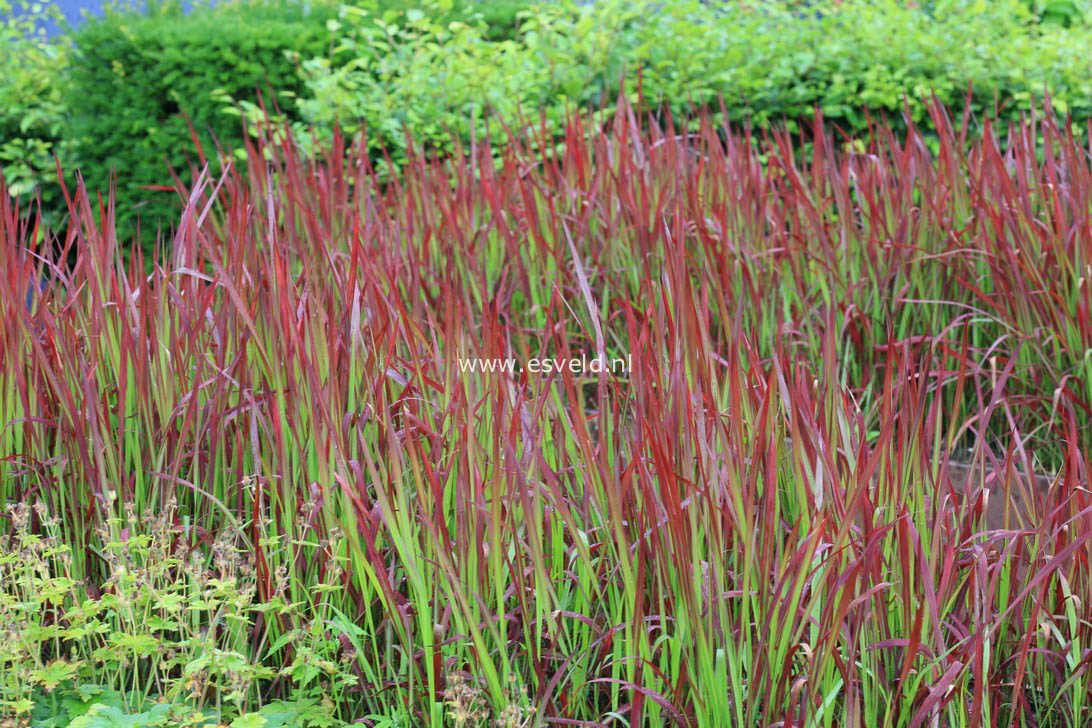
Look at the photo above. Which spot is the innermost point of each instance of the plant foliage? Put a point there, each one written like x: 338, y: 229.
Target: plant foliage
x: 137, y: 83
x: 753, y: 524
x: 31, y: 105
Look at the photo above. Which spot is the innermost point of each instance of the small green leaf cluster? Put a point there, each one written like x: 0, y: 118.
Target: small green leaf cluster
x: 166, y: 636
x: 393, y: 72
x: 499, y: 19
x: 81, y: 705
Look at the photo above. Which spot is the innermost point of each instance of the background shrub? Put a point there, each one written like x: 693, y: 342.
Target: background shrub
x: 31, y: 104
x: 416, y: 70
x: 135, y: 79
x: 499, y: 18
x: 445, y: 69
x: 769, y: 62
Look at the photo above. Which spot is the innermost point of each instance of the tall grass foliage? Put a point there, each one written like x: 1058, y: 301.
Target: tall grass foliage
x: 754, y: 526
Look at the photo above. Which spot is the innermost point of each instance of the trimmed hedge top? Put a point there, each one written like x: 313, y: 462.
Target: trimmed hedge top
x: 136, y: 78
x: 769, y: 62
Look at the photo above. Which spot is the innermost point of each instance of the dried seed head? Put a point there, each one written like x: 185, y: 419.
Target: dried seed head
x: 20, y: 518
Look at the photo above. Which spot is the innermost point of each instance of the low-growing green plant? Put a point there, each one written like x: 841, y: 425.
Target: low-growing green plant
x: 160, y: 637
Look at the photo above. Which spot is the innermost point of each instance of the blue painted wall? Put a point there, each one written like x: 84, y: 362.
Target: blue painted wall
x: 74, y: 10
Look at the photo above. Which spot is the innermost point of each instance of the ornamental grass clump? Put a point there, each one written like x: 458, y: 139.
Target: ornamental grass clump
x: 757, y: 522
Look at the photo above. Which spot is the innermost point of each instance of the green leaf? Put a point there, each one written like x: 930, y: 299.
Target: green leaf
x: 50, y: 676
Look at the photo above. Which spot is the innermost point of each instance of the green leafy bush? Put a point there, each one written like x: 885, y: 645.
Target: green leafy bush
x: 31, y: 105
x: 769, y: 62
x: 1050, y: 12
x: 412, y: 71
x: 135, y: 79
x: 443, y: 80
x: 499, y: 18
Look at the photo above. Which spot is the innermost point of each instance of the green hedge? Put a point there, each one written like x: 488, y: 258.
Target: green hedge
x: 135, y: 78
x: 31, y: 104
x: 769, y: 61
x: 116, y: 102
